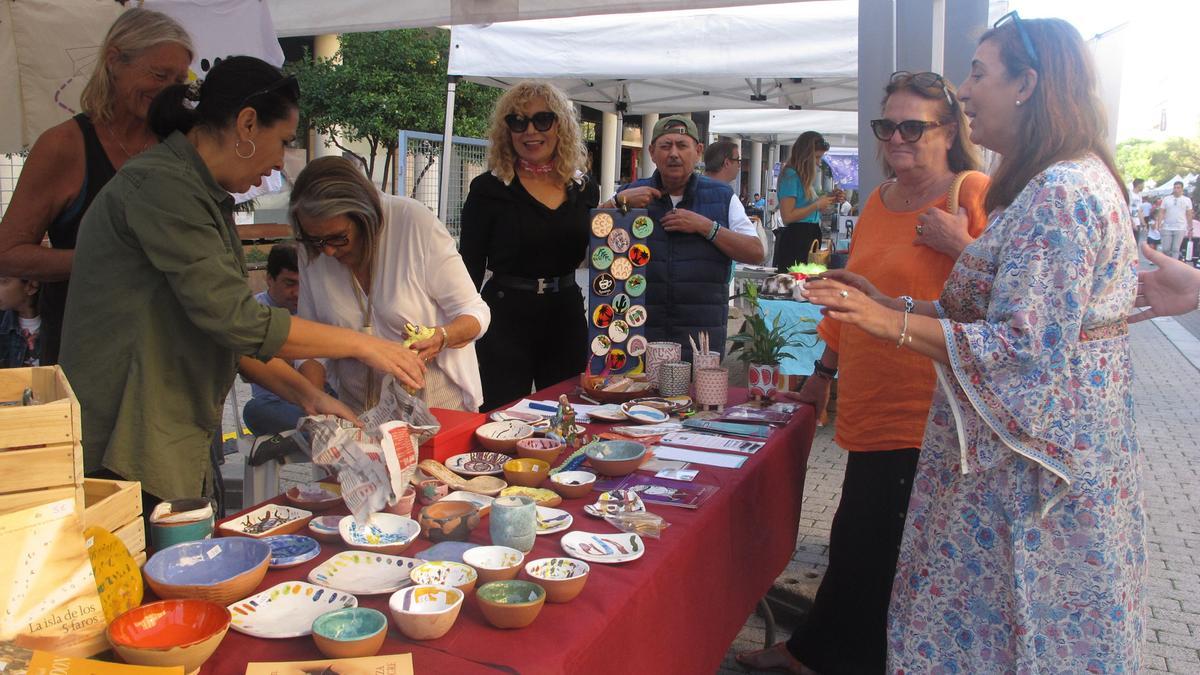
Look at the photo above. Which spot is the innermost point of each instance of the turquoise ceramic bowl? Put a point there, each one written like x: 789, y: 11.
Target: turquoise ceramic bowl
x: 350, y: 633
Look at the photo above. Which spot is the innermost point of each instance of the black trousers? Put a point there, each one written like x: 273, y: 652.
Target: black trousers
x: 533, y: 339
x: 792, y: 243
x: 845, y: 631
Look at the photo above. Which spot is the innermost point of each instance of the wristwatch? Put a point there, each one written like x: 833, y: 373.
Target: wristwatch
x: 823, y: 370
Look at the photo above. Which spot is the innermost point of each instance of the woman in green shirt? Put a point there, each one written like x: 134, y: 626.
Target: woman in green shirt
x: 159, y: 316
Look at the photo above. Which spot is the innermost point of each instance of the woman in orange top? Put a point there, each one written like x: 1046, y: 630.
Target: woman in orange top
x: 905, y: 241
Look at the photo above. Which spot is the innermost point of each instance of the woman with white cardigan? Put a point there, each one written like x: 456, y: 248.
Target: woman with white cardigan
x: 377, y: 263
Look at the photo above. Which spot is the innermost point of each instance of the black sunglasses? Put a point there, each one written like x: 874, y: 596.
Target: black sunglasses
x: 542, y: 121
x: 910, y: 130
x: 335, y: 241
x: 1016, y: 21
x: 925, y: 80
x: 822, y: 145
x: 289, y: 83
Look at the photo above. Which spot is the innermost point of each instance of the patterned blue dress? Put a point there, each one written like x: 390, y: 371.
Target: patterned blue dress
x: 1024, y: 548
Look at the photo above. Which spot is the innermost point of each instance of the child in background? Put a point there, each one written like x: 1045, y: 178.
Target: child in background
x: 20, y: 327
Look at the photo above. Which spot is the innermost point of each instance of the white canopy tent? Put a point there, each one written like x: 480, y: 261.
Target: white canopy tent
x: 783, y: 126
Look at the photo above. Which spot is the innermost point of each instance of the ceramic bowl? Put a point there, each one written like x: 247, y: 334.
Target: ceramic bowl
x: 502, y: 436
x: 494, y: 563
x: 325, y: 528
x: 312, y: 497
x: 447, y: 550
x: 425, y: 612
x: 289, y: 550
x: 526, y: 472
x: 563, y: 578
x: 350, y: 633
x: 221, y: 570
x: 445, y: 573
x: 616, y: 458
x: 511, y: 604
x: 449, y: 521
x: 170, y: 633
x: 573, y: 484
x: 383, y: 533
x: 545, y: 449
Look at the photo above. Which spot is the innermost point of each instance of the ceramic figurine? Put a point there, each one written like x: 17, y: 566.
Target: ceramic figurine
x: 562, y: 424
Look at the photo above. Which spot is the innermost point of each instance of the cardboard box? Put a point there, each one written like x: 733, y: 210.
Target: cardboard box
x: 41, y: 450
x: 456, y: 437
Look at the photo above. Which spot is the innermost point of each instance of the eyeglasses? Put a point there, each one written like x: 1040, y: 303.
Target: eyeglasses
x: 925, y: 80
x: 334, y: 241
x: 288, y: 82
x: 542, y: 121
x: 1016, y: 21
x: 910, y: 130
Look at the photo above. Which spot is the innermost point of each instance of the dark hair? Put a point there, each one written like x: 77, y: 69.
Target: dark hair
x: 1138, y: 181
x: 963, y: 154
x: 233, y: 84
x: 282, y: 257
x: 1063, y: 118
x: 1178, y: 182
x: 716, y: 154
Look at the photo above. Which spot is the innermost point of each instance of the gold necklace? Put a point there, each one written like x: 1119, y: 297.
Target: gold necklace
x: 128, y: 154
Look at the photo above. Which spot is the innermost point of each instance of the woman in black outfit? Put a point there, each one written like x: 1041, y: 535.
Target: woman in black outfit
x: 526, y: 222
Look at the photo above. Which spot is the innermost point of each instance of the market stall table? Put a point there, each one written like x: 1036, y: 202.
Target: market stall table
x: 675, y: 610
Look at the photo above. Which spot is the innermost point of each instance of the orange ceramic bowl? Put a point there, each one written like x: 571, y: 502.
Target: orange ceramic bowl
x: 170, y: 633
x: 545, y: 449
x: 573, y: 484
x: 511, y: 604
x: 526, y: 472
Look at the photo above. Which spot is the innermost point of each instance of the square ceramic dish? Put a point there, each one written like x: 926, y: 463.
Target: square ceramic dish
x: 286, y: 610
x: 363, y: 573
x: 267, y: 521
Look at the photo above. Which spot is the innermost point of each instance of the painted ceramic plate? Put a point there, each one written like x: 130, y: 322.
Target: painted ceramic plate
x: 312, y: 497
x: 603, y: 315
x: 325, y: 527
x: 602, y: 224
x: 601, y: 344
x: 616, y: 359
x: 118, y: 579
x: 644, y: 414
x: 531, y: 419
x: 602, y: 257
x: 551, y: 520
x: 642, y: 227
x: 446, y: 550
x: 621, y: 268
x: 621, y: 303
x: 268, y: 521
x: 607, y: 413
x: 615, y: 501
x: 619, y: 240
x: 478, y: 463
x: 604, y: 284
x: 618, y: 330
x: 362, y: 573
x: 289, y: 550
x: 636, y: 346
x: 635, y: 286
x: 636, y: 315
x: 286, y: 610
x: 603, y: 548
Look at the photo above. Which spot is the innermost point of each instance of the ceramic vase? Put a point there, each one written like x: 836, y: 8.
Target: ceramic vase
x: 712, y: 387
x: 514, y: 523
x: 658, y: 353
x: 675, y: 378
x: 702, y: 360
x: 761, y: 380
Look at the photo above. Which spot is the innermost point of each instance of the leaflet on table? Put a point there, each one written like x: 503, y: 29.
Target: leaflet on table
x: 755, y: 414
x: 730, y: 428
x: 691, y: 439
x: 654, y: 490
x: 21, y: 661
x: 388, y: 664
x: 718, y: 459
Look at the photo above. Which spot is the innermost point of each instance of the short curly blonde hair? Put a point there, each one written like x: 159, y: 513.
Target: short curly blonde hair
x: 570, y: 155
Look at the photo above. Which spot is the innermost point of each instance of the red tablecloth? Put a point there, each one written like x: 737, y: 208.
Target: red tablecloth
x: 674, y: 610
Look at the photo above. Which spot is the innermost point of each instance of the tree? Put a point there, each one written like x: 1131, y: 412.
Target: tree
x: 379, y: 83
x: 1158, y: 160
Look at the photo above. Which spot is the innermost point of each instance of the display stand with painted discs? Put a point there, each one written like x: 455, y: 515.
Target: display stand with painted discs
x: 618, y: 253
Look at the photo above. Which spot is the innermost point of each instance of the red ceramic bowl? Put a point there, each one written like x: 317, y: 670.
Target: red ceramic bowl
x: 170, y: 633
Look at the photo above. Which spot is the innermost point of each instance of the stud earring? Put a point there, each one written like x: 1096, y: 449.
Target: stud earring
x: 1018, y: 103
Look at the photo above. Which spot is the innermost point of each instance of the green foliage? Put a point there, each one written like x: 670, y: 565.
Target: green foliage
x: 382, y: 82
x: 762, y: 344
x: 1158, y: 160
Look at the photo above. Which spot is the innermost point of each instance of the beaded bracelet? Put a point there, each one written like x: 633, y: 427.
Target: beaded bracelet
x: 712, y: 234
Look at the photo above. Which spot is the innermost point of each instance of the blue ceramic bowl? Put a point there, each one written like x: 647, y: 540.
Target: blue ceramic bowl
x: 447, y: 550
x: 289, y: 550
x: 350, y: 633
x: 220, y: 570
x: 615, y: 458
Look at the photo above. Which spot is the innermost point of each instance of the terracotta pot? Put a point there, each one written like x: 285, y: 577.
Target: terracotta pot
x: 425, y: 612
x: 563, y: 578
x: 404, y: 505
x: 449, y: 521
x: 545, y: 449
x: 511, y: 604
x: 762, y: 380
x: 350, y: 633
x: 432, y: 490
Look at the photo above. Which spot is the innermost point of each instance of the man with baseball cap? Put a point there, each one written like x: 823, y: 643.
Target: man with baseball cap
x: 699, y: 227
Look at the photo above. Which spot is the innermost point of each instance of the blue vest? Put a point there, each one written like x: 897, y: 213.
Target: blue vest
x: 687, y: 288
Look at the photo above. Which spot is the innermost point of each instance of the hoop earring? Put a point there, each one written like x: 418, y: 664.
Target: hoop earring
x: 239, y: 145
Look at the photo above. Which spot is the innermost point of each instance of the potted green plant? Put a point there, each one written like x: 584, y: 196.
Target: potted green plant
x: 763, y: 347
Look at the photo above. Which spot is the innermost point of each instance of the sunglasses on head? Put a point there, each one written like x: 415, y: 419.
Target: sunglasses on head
x: 910, y: 130
x: 925, y: 80
x: 1016, y: 21
x: 542, y: 121
x: 289, y: 83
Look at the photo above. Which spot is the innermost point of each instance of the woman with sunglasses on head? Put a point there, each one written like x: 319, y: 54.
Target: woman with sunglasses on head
x: 800, y: 206
x: 906, y: 241
x: 526, y: 222
x: 160, y: 317
x: 379, y: 262
x: 1024, y: 549
x: 143, y: 52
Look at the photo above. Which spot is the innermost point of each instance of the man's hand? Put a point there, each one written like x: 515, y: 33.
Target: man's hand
x: 634, y: 198
x: 682, y: 220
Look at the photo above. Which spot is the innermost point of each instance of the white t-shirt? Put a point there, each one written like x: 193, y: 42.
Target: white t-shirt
x: 738, y: 220
x: 1135, y: 207
x: 1175, y: 212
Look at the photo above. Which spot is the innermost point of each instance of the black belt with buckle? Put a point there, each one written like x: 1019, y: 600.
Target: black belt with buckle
x: 539, y: 286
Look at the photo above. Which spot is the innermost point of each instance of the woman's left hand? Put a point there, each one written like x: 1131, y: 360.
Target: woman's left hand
x: 945, y: 233
x: 850, y: 305
x: 429, y: 348
x: 321, y: 403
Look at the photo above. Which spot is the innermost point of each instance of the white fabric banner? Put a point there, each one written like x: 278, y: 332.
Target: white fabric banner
x: 221, y: 28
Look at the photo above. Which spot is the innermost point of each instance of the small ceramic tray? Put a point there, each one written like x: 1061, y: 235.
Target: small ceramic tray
x: 531, y: 419
x: 551, y: 520
x: 644, y: 414
x: 312, y: 496
x: 484, y: 502
x: 325, y: 528
x: 608, y: 413
x: 267, y: 521
x: 289, y: 550
x: 614, y: 502
x: 603, y: 548
x: 363, y: 573
x: 286, y: 610
x: 478, y: 463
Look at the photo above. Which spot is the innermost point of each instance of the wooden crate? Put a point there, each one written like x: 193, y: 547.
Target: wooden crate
x: 116, y: 506
x: 41, y: 455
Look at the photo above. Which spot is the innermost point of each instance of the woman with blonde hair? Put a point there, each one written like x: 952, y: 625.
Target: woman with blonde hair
x: 799, y: 205
x: 526, y: 222
x: 143, y: 52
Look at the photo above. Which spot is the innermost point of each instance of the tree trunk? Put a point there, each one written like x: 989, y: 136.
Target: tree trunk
x: 387, y: 166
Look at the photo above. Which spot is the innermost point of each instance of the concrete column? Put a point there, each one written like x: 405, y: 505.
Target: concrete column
x: 756, y: 168
x: 324, y: 47
x: 964, y: 19
x: 769, y: 177
x: 609, y: 135
x: 645, y: 164
x: 920, y: 35
x: 876, y: 61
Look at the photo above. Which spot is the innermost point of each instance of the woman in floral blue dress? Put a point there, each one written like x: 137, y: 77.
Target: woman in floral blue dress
x: 1024, y: 546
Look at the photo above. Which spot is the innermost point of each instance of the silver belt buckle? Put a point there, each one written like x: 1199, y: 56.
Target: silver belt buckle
x: 544, y: 285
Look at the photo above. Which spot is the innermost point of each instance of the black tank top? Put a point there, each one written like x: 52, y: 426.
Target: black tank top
x: 97, y: 171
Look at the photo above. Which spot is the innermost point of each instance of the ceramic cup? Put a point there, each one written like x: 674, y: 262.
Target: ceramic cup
x: 432, y: 490
x: 181, y: 520
x: 712, y: 386
x: 514, y: 523
x: 404, y: 505
x: 658, y: 353
x: 700, y: 361
x: 675, y: 378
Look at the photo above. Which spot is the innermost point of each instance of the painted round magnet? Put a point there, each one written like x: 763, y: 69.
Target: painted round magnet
x: 618, y: 331
x: 621, y: 268
x: 616, y: 359
x: 639, y: 255
x: 635, y: 285
x: 642, y: 227
x: 601, y: 344
x: 619, y: 240
x: 603, y: 315
x: 602, y: 257
x: 602, y: 224
x: 621, y: 303
x: 636, y: 316
x: 604, y: 284
x: 637, y: 345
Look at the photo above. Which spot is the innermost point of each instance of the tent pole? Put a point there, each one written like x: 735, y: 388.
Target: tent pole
x: 609, y: 149
x: 646, y: 165
x: 447, y: 150
x: 756, y: 167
